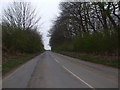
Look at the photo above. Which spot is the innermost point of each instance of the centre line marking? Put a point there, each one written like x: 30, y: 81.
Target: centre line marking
x: 57, y: 61
x: 79, y: 78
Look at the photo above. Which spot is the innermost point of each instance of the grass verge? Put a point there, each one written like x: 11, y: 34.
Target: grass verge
x: 96, y: 59
x: 15, y: 62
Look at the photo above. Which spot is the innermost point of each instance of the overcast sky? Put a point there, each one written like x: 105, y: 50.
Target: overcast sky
x: 47, y: 9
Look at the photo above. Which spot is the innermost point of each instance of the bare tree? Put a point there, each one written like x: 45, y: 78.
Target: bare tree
x: 22, y: 15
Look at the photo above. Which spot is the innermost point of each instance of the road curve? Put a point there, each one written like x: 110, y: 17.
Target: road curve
x: 53, y: 70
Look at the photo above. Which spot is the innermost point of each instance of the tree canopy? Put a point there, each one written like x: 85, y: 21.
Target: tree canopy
x: 20, y: 29
x: 88, y: 27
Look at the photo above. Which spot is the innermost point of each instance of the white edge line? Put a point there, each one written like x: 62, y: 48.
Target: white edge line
x: 11, y: 74
x: 17, y: 69
x: 78, y: 77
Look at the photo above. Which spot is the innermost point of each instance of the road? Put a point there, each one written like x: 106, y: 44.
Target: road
x: 53, y: 70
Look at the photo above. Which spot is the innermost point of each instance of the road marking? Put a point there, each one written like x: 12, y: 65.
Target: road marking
x: 19, y: 68
x: 12, y: 74
x: 78, y: 78
x: 57, y: 61
x: 54, y: 58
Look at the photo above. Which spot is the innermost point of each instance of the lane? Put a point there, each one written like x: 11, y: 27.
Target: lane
x: 50, y: 74
x: 21, y: 76
x: 53, y: 70
x: 96, y: 75
x: 78, y: 78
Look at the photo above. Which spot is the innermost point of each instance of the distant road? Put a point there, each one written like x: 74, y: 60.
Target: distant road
x: 53, y: 70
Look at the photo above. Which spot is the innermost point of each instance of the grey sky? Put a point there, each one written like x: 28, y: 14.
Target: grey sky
x: 47, y: 9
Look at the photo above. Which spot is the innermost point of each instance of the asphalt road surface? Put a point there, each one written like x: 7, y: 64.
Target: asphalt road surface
x: 53, y: 70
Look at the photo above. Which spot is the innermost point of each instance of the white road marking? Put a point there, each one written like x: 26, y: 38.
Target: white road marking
x: 17, y: 69
x: 57, y: 61
x: 76, y: 75
x: 54, y: 58
x: 78, y: 78
x: 12, y: 74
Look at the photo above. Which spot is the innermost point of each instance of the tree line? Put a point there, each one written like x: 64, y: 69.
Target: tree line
x: 20, y: 29
x: 87, y: 27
